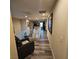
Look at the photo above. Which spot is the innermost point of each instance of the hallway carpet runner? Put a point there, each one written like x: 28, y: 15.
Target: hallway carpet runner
x: 42, y: 50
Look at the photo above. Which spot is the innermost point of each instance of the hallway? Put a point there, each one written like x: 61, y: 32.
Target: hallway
x: 42, y: 48
x: 50, y: 41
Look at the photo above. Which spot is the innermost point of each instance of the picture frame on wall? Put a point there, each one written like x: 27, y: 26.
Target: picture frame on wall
x: 50, y: 23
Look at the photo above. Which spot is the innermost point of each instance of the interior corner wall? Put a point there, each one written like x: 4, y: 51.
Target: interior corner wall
x: 59, y: 38
x: 13, y: 49
x: 16, y: 25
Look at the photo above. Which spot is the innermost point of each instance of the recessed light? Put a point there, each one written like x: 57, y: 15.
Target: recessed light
x: 27, y: 20
x: 43, y: 14
x: 25, y: 16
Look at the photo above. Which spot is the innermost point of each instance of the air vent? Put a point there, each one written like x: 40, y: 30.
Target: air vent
x: 43, y: 11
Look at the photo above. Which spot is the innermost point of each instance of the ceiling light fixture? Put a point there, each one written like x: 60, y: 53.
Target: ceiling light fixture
x: 26, y: 16
x: 43, y: 14
x: 27, y: 21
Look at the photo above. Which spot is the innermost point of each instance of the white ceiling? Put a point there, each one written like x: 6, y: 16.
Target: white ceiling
x: 31, y: 8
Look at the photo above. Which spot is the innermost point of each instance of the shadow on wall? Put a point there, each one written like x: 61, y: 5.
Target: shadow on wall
x: 55, y: 3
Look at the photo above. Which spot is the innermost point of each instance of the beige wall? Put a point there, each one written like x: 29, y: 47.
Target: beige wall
x: 13, y: 51
x: 20, y: 24
x: 58, y: 39
x: 16, y: 25
x: 23, y: 24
